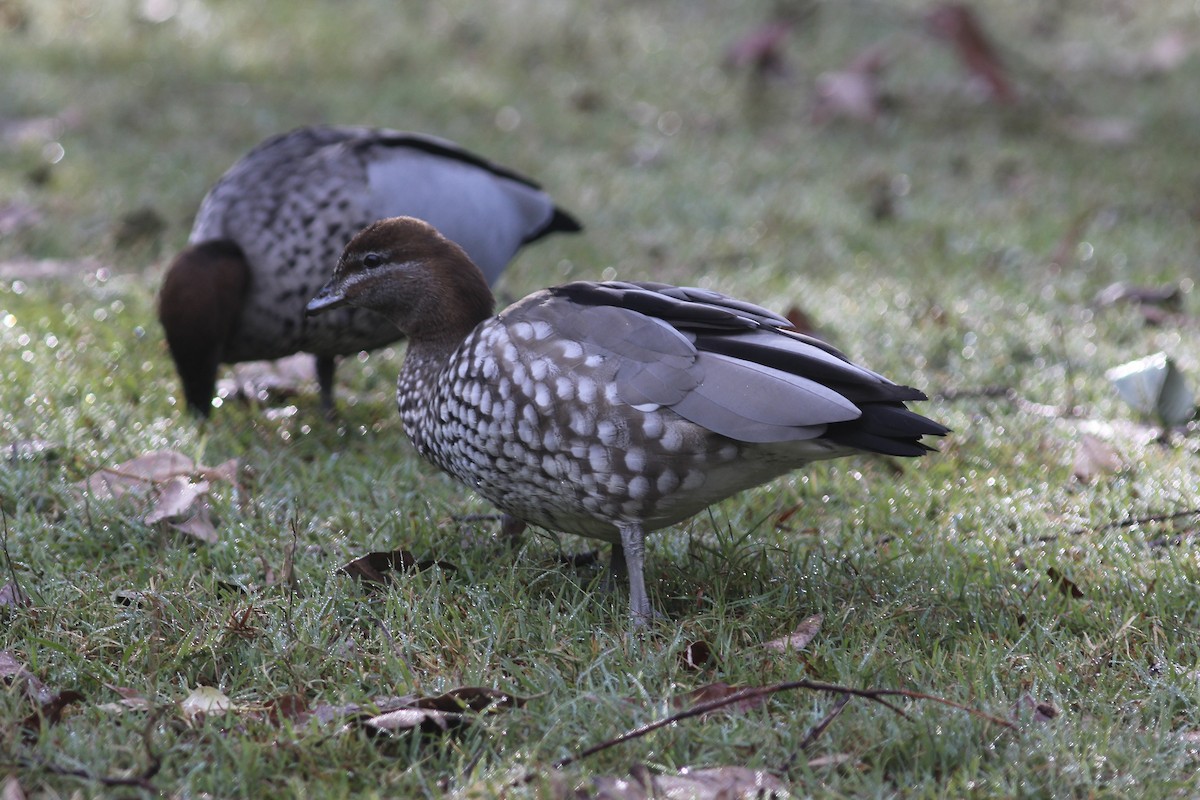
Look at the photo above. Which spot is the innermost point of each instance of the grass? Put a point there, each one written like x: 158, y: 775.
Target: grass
x: 933, y: 576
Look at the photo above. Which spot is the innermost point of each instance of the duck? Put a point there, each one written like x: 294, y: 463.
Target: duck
x: 609, y: 409
x: 268, y: 232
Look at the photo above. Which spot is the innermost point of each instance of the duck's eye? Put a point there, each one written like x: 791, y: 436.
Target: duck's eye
x: 372, y: 260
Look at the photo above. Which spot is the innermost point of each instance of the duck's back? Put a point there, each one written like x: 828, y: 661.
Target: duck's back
x: 292, y: 203
x: 592, y: 403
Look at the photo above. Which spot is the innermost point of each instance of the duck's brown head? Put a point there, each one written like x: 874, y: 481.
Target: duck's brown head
x: 405, y: 270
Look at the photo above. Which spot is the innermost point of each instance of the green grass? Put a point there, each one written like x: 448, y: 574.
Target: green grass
x: 931, y: 576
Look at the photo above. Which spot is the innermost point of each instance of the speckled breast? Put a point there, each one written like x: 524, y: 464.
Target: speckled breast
x: 532, y: 423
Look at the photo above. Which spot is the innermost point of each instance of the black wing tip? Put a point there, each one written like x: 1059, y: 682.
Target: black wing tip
x: 564, y: 222
x: 887, y: 429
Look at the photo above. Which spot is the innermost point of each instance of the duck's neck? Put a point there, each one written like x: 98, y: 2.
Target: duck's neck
x: 454, y: 307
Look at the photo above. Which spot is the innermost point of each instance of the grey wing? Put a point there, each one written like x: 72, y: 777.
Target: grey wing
x: 653, y: 364
x: 488, y: 211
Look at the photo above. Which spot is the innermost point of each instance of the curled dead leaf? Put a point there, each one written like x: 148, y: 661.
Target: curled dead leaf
x: 445, y: 712
x: 205, y: 701
x: 11, y: 596
x: 798, y: 639
x: 697, y: 656
x: 1094, y: 457
x: 376, y: 567
x: 713, y: 692
x: 959, y: 25
x: 703, y: 783
x: 1064, y: 584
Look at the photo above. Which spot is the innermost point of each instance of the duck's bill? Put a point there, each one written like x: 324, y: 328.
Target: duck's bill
x: 328, y: 297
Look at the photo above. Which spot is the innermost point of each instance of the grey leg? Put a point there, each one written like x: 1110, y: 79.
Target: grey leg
x: 633, y: 545
x: 325, y: 368
x: 511, y: 530
x: 617, y: 570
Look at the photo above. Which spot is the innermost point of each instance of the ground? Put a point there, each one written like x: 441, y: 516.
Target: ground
x: 1040, y: 568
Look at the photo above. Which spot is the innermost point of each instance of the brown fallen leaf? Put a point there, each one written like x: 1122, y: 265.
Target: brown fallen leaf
x: 12, y: 789
x: 958, y: 25
x: 50, y: 712
x: 1094, y: 457
x: 798, y: 639
x: 762, y: 50
x: 375, y: 567
x: 11, y: 596
x: 290, y: 707
x: 445, y: 712
x: 852, y: 93
x: 704, y: 783
x: 1103, y: 131
x: 1064, y: 584
x: 697, y: 656
x: 717, y: 691
x: 205, y: 701
x: 14, y: 673
x: 1040, y: 711
x: 131, y: 700
x: 269, y: 382
x: 177, y: 489
x: 1168, y: 296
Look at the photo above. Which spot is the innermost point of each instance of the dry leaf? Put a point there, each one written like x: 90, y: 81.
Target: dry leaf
x: 12, y: 789
x: 11, y: 596
x: 1064, y: 584
x: 713, y: 692
x: 706, y: 783
x: 375, y: 567
x: 1094, y: 457
x: 1169, y: 296
x: 175, y: 498
x: 178, y: 489
x: 761, y: 50
x: 269, y: 382
x: 957, y: 24
x: 799, y: 638
x: 852, y: 93
x: 290, y: 707
x: 13, y: 672
x: 1041, y: 710
x: 138, y: 473
x: 199, y: 525
x: 131, y: 700
x: 205, y: 701
x: 445, y: 712
x: 1106, y: 131
x: 696, y: 656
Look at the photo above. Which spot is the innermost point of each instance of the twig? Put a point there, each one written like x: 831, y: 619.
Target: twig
x: 1006, y: 393
x: 289, y: 567
x: 874, y: 695
x: 820, y: 727
x: 20, y: 595
x: 1128, y: 522
x: 141, y: 781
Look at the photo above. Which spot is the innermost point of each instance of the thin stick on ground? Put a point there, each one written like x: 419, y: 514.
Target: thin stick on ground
x: 874, y: 695
x: 141, y: 781
x: 18, y: 593
x: 1129, y: 522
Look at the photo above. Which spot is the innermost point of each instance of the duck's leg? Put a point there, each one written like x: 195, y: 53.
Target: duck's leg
x: 325, y: 367
x: 633, y: 551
